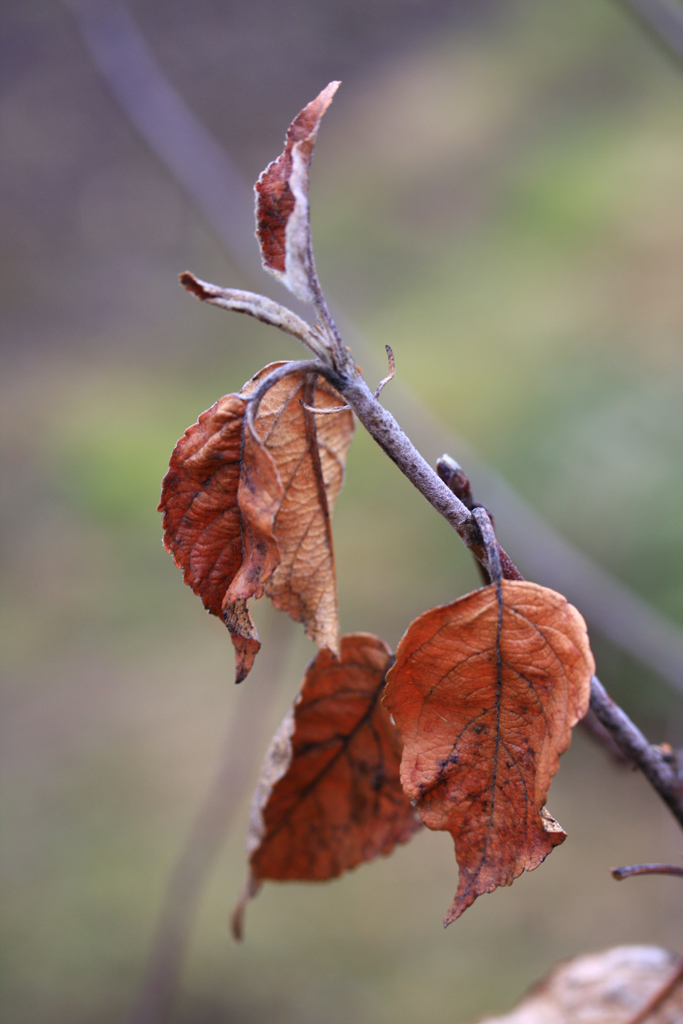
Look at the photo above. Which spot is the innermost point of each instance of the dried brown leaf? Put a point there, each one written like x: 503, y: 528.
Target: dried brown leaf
x: 282, y: 215
x: 485, y: 692
x: 247, y: 510
x: 330, y: 796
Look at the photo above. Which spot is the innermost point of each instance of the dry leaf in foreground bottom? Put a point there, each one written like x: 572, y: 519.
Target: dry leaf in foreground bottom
x: 485, y: 692
x: 609, y: 987
x: 329, y: 796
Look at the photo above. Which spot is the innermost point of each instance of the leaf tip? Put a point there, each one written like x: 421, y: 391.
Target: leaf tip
x: 192, y: 284
x: 245, y: 653
x: 244, y: 637
x: 251, y: 887
x: 459, y: 906
x: 326, y: 95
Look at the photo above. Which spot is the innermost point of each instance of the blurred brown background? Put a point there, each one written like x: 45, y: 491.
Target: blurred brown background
x: 497, y: 192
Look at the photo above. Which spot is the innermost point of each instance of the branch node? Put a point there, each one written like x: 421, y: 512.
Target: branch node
x: 454, y: 476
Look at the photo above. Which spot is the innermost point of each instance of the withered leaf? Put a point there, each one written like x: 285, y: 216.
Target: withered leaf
x: 204, y: 528
x: 485, y: 692
x: 247, y: 510
x: 282, y: 215
x: 309, y: 452
x: 330, y: 797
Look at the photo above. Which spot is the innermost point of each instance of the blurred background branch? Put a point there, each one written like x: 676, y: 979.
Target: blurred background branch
x: 246, y: 733
x: 663, y: 19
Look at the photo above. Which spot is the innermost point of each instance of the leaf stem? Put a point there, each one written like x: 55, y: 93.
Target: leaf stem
x: 491, y: 546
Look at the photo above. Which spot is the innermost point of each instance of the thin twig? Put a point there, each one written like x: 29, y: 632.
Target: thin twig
x: 592, y: 725
x: 392, y: 371
x: 662, y: 993
x: 646, y: 869
x: 659, y: 770
x: 207, y: 837
x: 258, y: 306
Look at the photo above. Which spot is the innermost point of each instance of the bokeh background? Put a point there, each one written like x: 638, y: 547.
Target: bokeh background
x: 497, y: 192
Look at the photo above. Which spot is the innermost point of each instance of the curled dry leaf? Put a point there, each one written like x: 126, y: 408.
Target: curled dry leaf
x: 485, y: 692
x: 309, y: 452
x: 608, y: 987
x: 244, y: 636
x: 282, y: 215
x: 330, y: 795
x: 247, y: 510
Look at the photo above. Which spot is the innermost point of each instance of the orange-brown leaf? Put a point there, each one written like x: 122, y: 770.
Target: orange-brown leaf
x: 485, y: 692
x: 247, y: 510
x: 330, y: 795
x: 309, y: 452
x: 282, y: 219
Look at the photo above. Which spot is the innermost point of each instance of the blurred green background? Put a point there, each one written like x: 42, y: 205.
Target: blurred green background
x: 497, y: 192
